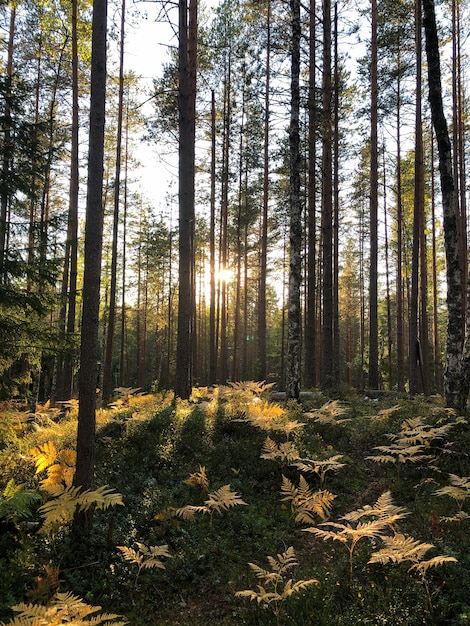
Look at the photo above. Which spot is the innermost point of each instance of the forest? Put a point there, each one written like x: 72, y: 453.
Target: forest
x: 304, y: 226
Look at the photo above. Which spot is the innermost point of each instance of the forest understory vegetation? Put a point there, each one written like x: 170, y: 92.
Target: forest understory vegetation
x: 231, y: 508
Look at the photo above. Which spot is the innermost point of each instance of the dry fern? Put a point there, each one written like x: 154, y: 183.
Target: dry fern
x: 330, y: 413
x: 220, y: 500
x: 400, y: 549
x: 321, y: 468
x: 458, y: 490
x: 305, y: 503
x: 198, y: 479
x: 69, y: 500
x: 146, y: 557
x: 285, y: 452
x: 370, y: 523
x: 64, y: 608
x: 274, y: 587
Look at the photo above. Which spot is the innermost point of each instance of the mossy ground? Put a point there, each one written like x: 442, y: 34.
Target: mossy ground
x: 147, y: 447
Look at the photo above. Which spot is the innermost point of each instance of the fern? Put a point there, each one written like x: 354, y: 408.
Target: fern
x: 198, y: 478
x: 284, y: 452
x: 69, y: 500
x: 275, y: 587
x: 60, y: 465
x: 220, y: 500
x: 64, y: 608
x: 459, y: 491
x: 16, y: 502
x: 321, y: 468
x: 146, y: 557
x: 368, y: 522
x: 400, y: 549
x: 306, y: 503
x: 330, y: 414
x: 412, y: 443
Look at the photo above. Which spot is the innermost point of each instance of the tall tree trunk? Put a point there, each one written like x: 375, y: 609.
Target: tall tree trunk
x: 109, y: 352
x: 187, y: 50
x: 455, y: 392
x: 262, y: 332
x: 327, y: 365
x: 374, y: 185
x: 417, y: 379
x: 399, y: 261
x: 310, y: 369
x: 212, y: 305
x: 7, y: 146
x: 84, y: 471
x: 295, y: 230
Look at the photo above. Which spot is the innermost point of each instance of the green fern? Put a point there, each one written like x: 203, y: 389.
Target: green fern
x: 16, y: 502
x: 275, y: 587
x: 64, y: 608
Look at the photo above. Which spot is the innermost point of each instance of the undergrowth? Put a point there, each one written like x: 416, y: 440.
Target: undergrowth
x: 369, y: 500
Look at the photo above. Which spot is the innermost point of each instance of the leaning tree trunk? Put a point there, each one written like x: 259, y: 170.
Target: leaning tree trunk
x: 455, y: 393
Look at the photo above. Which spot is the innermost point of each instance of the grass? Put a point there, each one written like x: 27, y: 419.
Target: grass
x: 148, y: 447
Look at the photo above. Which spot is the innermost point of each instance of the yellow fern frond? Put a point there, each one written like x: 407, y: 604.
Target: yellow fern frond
x: 223, y: 499
x: 188, y: 512
x: 384, y: 509
x: 64, y: 608
x: 284, y: 452
x: 329, y: 413
x: 198, y: 479
x: 44, y: 455
x: 436, y: 561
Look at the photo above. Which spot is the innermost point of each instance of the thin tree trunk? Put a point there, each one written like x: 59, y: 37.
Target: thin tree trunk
x: 109, y: 352
x: 262, y: 332
x: 374, y: 181
x: 212, y: 305
x: 310, y: 370
x: 295, y: 231
x: 327, y: 366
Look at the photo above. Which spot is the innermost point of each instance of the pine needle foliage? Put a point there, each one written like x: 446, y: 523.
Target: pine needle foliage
x: 275, y: 587
x: 305, y: 503
x: 145, y: 557
x: 16, y: 502
x: 64, y: 608
x: 284, y: 452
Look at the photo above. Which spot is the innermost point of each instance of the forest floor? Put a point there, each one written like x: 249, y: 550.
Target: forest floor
x: 344, y: 511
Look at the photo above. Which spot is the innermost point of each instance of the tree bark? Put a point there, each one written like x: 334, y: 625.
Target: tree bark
x: 454, y: 394
x: 295, y: 232
x: 187, y: 124
x: 84, y: 471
